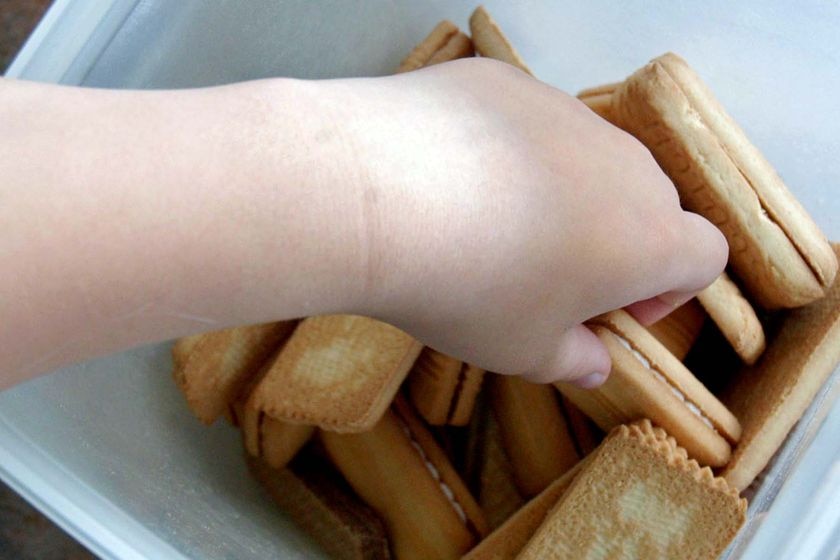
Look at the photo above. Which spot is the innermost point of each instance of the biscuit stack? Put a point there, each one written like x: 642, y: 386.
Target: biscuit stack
x: 381, y: 448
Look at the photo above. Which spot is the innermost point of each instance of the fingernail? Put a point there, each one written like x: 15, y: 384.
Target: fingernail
x: 589, y: 381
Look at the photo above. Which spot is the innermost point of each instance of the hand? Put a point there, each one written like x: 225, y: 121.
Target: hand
x: 499, y: 214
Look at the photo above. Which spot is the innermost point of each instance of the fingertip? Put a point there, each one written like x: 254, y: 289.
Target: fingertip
x: 580, y: 358
x: 590, y: 380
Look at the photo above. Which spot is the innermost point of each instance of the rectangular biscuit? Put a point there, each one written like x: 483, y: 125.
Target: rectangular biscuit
x: 639, y: 496
x: 337, y: 372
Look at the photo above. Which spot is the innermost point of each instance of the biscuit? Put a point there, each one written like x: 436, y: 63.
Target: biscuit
x: 534, y: 432
x: 400, y: 472
x: 771, y: 396
x: 639, y: 496
x: 490, y: 42
x: 444, y: 389
x: 211, y: 369
x: 444, y: 43
x: 735, y: 318
x: 647, y: 381
x: 776, y: 250
x: 337, y: 372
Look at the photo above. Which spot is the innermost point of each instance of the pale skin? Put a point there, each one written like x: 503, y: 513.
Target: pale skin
x: 485, y: 213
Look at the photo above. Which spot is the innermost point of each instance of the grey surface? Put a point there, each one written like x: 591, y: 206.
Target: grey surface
x: 114, y: 438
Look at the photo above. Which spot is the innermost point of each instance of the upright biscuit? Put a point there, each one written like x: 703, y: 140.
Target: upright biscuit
x: 647, y: 381
x: 443, y: 389
x: 338, y: 372
x: 776, y: 249
x: 490, y: 42
x: 735, y: 318
x: 274, y: 442
x: 772, y: 395
x: 399, y: 471
x: 211, y: 369
x: 318, y: 501
x: 444, y: 43
x: 534, y: 432
x: 639, y: 496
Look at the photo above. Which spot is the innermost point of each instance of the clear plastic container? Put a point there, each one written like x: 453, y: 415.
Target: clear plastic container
x: 109, y: 450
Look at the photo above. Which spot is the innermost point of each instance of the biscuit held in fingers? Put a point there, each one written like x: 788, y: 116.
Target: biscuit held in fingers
x: 647, y: 381
x: 401, y: 473
x: 771, y: 396
x: 490, y: 42
x: 444, y: 43
x: 735, y: 318
x: 443, y: 389
x: 338, y: 372
x: 640, y: 496
x: 678, y: 331
x: 221, y: 363
x: 534, y: 432
x: 312, y: 493
x: 776, y: 249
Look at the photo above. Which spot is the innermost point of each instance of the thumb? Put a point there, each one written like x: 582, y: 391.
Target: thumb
x: 580, y: 358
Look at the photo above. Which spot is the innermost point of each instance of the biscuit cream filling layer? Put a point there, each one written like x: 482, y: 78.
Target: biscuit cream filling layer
x: 642, y: 359
x: 447, y: 491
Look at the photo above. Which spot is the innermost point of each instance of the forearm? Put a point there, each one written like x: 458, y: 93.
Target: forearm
x: 128, y: 217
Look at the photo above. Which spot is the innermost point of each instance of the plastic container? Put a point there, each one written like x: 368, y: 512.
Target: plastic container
x: 108, y: 449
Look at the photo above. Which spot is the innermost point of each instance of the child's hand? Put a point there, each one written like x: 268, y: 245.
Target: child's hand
x: 499, y: 214
x: 486, y: 213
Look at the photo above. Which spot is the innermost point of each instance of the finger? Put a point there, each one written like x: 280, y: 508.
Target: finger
x: 698, y: 256
x: 653, y: 309
x: 579, y: 358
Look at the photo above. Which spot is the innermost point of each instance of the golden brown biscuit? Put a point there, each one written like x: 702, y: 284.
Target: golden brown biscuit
x: 771, y: 396
x: 444, y: 389
x: 534, y: 432
x: 490, y: 42
x: 639, y: 496
x: 776, y: 249
x: 318, y: 501
x: 444, y: 43
x: 211, y: 369
x: 735, y: 318
x: 337, y: 372
x: 274, y: 442
x: 647, y: 381
x: 399, y: 470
